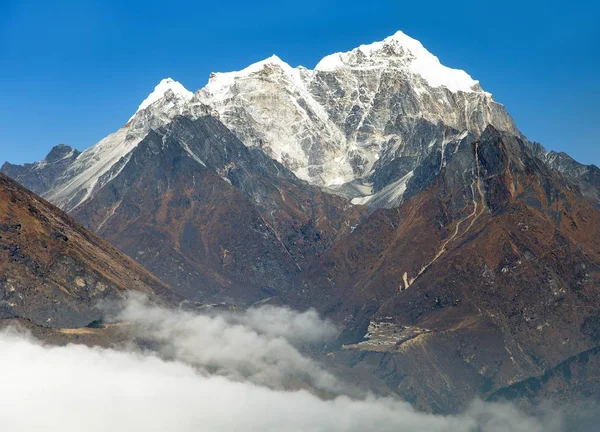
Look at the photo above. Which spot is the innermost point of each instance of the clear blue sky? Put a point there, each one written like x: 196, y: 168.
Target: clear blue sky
x: 71, y: 71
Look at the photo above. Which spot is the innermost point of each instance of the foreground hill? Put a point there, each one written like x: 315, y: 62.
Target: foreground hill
x: 52, y: 270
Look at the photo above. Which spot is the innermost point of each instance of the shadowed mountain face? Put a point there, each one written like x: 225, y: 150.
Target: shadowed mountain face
x: 488, y: 276
x: 566, y: 382
x: 53, y: 272
x: 586, y: 177
x: 214, y: 219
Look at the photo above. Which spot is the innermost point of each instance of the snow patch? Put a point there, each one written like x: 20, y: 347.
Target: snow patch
x: 220, y: 82
x: 388, y: 197
x: 192, y: 154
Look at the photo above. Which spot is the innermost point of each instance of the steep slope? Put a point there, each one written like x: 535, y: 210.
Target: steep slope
x: 213, y: 218
x: 368, y: 116
x: 487, y: 277
x: 567, y: 382
x: 71, y: 180
x: 53, y: 271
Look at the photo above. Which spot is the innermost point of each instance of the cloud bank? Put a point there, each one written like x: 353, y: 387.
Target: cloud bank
x: 257, y: 346
x: 223, y: 372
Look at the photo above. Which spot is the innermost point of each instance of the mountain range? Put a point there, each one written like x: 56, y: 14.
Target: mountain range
x: 389, y: 192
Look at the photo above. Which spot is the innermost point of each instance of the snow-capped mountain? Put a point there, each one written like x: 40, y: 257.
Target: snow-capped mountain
x: 361, y: 123
x: 355, y: 113
x: 167, y: 101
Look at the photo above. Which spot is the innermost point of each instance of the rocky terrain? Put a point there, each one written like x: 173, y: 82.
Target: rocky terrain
x: 53, y: 272
x: 355, y: 113
x: 42, y: 176
x: 213, y: 218
x: 488, y: 277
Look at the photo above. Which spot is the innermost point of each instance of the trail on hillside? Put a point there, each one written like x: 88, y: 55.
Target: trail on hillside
x: 473, y: 216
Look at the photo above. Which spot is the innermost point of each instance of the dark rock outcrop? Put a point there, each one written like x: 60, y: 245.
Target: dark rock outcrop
x: 494, y: 267
x: 39, y: 177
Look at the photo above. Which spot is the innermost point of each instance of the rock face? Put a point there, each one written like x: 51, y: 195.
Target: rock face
x: 380, y: 108
x: 53, y: 271
x: 586, y: 177
x: 489, y: 276
x: 566, y: 382
x: 212, y: 217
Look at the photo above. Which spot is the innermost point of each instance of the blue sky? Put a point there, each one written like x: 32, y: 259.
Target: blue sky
x: 73, y: 71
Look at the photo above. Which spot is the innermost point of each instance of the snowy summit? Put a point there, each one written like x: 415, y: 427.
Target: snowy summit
x: 161, y: 90
x: 401, y: 51
x: 340, y: 124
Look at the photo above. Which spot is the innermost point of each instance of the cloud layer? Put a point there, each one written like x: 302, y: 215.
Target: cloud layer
x: 226, y: 372
x: 257, y: 346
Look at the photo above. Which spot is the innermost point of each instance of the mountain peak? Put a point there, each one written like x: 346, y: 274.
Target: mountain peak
x: 352, y: 113
x: 220, y: 82
x: 273, y: 60
x: 164, y: 86
x: 400, y: 40
x: 59, y: 152
x: 400, y: 51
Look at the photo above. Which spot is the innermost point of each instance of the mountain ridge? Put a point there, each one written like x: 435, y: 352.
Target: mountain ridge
x: 327, y: 148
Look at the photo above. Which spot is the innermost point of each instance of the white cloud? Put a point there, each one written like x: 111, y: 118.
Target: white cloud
x: 237, y: 346
x: 208, y: 373
x: 297, y: 328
